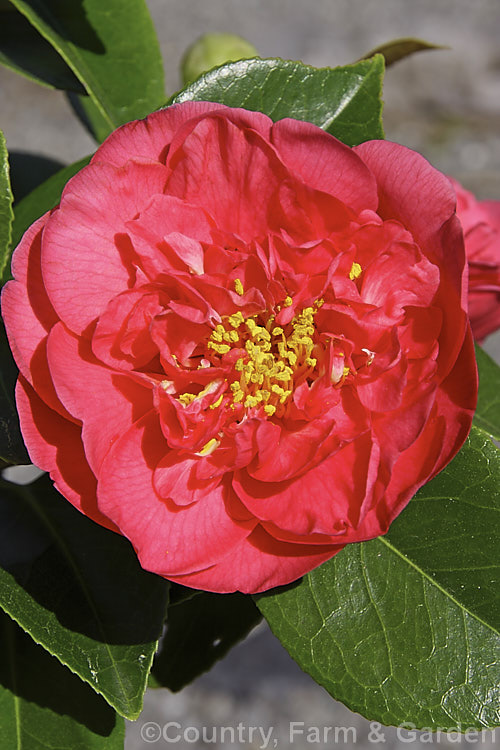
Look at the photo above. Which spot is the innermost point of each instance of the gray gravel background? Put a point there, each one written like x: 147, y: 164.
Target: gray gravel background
x: 445, y: 104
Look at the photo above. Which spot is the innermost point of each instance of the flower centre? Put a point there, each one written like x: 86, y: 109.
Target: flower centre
x: 267, y: 360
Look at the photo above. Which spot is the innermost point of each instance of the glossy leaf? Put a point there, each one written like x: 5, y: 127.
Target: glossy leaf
x: 6, y: 215
x: 90, y: 116
x: 398, y: 49
x: 43, y: 706
x: 201, y: 628
x: 487, y: 415
x: 25, y: 51
x: 405, y: 628
x: 79, y: 591
x: 111, y: 48
x: 12, y: 450
x: 42, y: 199
x: 344, y: 101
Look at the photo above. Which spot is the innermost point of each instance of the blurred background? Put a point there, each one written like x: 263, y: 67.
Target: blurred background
x: 446, y: 105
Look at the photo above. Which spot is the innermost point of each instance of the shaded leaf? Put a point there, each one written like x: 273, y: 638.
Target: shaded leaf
x: 200, y: 630
x: 43, y: 706
x: 6, y: 215
x: 405, y: 628
x: 344, y: 101
x: 398, y: 49
x: 28, y: 171
x: 90, y: 116
x: 25, y: 51
x: 79, y: 591
x: 12, y: 449
x: 487, y: 415
x: 111, y: 48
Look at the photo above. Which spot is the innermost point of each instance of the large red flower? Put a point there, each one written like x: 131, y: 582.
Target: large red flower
x: 481, y: 226
x: 243, y: 344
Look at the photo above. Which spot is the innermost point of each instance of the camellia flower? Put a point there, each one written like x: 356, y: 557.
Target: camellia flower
x: 481, y: 225
x: 242, y: 344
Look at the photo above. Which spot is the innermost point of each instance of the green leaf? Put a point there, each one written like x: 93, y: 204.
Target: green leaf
x: 79, y: 591
x: 24, y: 51
x: 345, y: 101
x: 42, y: 199
x: 90, y: 116
x: 45, y: 707
x: 201, y: 629
x: 12, y: 450
x: 405, y: 628
x: 6, y: 214
x: 111, y: 48
x: 487, y: 415
x: 398, y: 49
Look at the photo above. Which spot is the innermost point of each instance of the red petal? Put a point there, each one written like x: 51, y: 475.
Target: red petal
x: 175, y: 479
x: 169, y: 540
x: 83, y: 267
x: 259, y: 563
x: 326, y: 500
x: 26, y: 309
x: 443, y: 435
x: 105, y: 401
x: 122, y: 337
x: 423, y: 200
x: 168, y: 235
x: 149, y: 138
x: 244, y: 175
x: 325, y: 163
x: 55, y: 445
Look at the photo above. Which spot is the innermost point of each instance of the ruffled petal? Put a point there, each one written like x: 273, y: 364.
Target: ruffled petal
x: 29, y: 316
x: 445, y: 431
x: 149, y: 138
x: 327, y: 500
x: 169, y: 540
x: 122, y: 337
x: 55, y: 445
x: 26, y: 309
x: 240, y: 191
x: 84, y: 262
x: 423, y: 200
x: 106, y: 402
x: 175, y: 478
x: 325, y: 163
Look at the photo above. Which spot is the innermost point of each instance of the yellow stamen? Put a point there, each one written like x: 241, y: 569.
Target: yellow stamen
x: 355, y: 271
x: 231, y: 336
x: 209, y: 447
x: 270, y: 359
x: 219, y: 348
x: 218, y: 402
x: 236, y: 320
x: 238, y: 287
x: 186, y: 398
